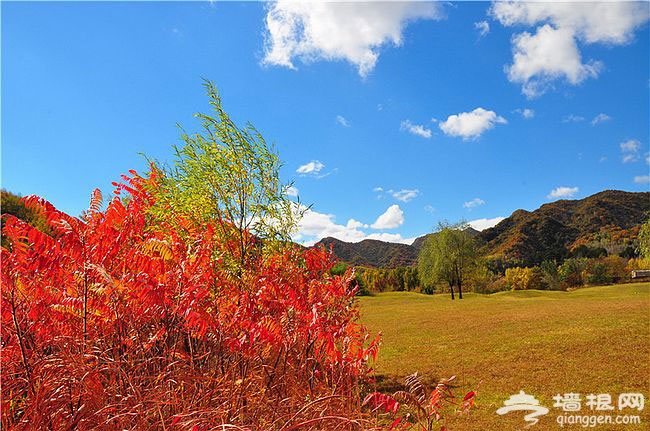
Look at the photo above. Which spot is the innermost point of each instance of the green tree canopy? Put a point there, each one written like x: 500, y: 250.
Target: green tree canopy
x: 228, y: 175
x: 448, y: 255
x: 11, y: 203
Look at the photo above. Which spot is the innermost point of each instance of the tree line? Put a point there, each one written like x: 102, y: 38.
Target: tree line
x: 452, y: 261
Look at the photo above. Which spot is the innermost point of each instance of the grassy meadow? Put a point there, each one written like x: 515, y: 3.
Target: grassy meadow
x: 592, y: 340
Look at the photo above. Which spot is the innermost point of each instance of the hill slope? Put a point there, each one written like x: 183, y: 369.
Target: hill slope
x: 371, y: 252
x: 609, y: 219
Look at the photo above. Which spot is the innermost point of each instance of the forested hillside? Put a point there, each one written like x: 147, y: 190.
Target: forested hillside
x: 604, y: 223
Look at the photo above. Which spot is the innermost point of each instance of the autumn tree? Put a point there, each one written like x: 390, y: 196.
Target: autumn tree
x: 644, y: 240
x: 13, y: 204
x: 168, y: 307
x: 449, y: 255
x: 229, y: 175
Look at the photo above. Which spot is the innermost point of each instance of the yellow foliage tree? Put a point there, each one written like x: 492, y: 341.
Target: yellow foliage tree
x: 522, y: 278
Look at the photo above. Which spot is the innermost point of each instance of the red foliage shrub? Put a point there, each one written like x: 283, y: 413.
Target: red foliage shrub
x: 117, y: 322
x: 416, y: 407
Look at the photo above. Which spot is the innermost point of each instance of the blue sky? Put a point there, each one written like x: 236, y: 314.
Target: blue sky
x: 389, y: 117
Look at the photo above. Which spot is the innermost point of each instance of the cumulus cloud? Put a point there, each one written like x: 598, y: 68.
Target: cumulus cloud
x: 476, y: 202
x: 527, y: 113
x: 311, y: 168
x: 350, y: 31
x: 470, y: 124
x: 485, y: 223
x: 630, y: 150
x: 562, y: 192
x: 600, y: 118
x: 314, y: 226
x: 390, y: 219
x: 483, y: 28
x: 291, y: 191
x: 355, y: 224
x: 605, y: 22
x: 642, y: 179
x: 415, y: 129
x: 547, y: 55
x: 342, y: 121
x: 552, y: 52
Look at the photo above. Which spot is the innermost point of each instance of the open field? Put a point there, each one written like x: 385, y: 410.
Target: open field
x: 593, y: 340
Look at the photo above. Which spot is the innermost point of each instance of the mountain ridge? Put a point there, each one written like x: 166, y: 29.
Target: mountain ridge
x: 552, y: 231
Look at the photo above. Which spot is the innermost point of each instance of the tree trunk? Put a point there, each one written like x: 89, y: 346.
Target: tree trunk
x: 451, y: 288
x: 460, y: 291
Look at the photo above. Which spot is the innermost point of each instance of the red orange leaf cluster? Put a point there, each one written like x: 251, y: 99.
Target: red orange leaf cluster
x: 120, y: 320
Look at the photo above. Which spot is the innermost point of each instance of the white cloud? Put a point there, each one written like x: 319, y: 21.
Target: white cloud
x: 642, y: 179
x: 647, y: 158
x: 630, y: 146
x: 351, y: 31
x: 406, y: 195
x: 291, y: 191
x: 314, y: 226
x: 483, y: 27
x: 391, y: 218
x: 312, y: 168
x: 476, y: 202
x: 630, y: 150
x: 355, y: 224
x: 471, y: 124
x: 342, y: 121
x: 552, y: 52
x: 562, y: 192
x: 390, y: 237
x: 403, y: 195
x: 485, y: 223
x: 605, y: 22
x: 527, y: 113
x: 572, y: 118
x: 600, y: 118
x: 430, y: 209
x: 547, y: 55
x: 415, y: 129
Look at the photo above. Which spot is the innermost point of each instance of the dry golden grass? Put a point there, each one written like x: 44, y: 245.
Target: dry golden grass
x: 593, y: 340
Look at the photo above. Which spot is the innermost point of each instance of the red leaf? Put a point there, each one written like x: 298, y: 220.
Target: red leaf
x: 469, y: 395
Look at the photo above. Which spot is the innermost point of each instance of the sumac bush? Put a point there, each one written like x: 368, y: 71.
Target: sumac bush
x: 119, y: 320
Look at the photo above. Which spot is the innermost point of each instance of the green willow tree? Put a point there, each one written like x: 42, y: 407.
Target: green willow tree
x: 449, y: 255
x: 230, y: 175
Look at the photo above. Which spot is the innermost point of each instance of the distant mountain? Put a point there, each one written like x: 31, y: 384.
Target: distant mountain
x: 371, y: 252
x: 609, y: 218
x: 554, y: 229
